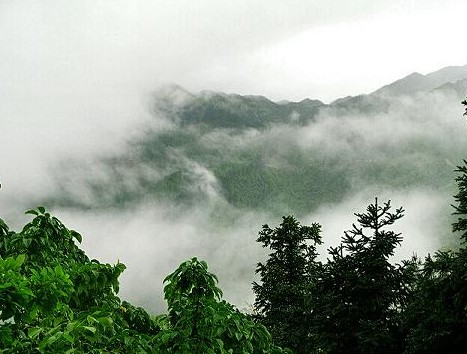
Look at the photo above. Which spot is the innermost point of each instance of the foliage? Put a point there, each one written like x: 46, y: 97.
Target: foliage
x: 352, y: 303
x: 359, y: 302
x: 199, y: 322
x: 261, y: 159
x: 54, y: 299
x: 461, y: 199
x: 437, y: 316
x: 359, y: 294
x: 280, y: 298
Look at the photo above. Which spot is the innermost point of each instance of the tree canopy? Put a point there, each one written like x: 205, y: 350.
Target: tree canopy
x: 53, y: 298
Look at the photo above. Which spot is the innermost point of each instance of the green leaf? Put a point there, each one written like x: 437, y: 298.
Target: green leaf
x: 49, y: 340
x: 91, y: 319
x: 76, y: 235
x: 220, y: 343
x: 32, y: 315
x: 91, y: 329
x: 33, y: 332
x: 41, y: 209
x: 20, y: 259
x: 32, y: 211
x: 105, y: 321
x: 68, y: 337
x: 166, y: 337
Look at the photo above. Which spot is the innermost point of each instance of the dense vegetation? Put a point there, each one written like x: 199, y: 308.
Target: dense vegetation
x: 54, y: 299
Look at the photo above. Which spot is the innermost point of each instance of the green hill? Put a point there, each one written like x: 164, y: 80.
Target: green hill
x: 256, y: 154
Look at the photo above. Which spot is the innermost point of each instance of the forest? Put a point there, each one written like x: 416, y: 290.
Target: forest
x: 55, y: 299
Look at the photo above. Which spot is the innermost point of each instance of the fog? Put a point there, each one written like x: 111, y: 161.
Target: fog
x: 153, y: 238
x: 76, y: 87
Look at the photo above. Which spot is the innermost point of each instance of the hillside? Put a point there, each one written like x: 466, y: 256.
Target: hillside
x: 287, y: 157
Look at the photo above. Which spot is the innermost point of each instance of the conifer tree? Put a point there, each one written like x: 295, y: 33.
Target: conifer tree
x: 361, y: 291
x: 281, y: 295
x: 437, y: 317
x: 461, y: 199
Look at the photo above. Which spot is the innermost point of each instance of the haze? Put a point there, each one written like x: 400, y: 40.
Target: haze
x: 76, y: 83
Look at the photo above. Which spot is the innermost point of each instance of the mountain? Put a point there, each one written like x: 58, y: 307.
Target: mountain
x: 416, y: 82
x: 216, y: 109
x: 458, y: 87
x: 250, y: 153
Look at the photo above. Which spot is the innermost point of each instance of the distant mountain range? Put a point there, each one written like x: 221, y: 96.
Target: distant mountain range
x: 248, y: 152
x: 217, y: 109
x: 415, y: 82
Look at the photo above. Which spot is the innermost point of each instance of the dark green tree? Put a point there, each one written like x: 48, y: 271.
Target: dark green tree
x: 464, y: 102
x: 437, y: 317
x: 285, y: 277
x: 461, y: 198
x: 359, y: 296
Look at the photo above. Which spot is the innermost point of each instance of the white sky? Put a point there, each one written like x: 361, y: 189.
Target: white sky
x: 290, y: 49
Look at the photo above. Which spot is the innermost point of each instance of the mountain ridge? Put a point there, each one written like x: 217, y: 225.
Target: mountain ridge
x: 416, y: 82
x: 231, y: 110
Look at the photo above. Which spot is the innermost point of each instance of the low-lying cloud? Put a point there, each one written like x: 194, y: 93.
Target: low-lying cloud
x: 152, y: 237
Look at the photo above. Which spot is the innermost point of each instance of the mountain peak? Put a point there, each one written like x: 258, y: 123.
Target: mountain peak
x: 411, y: 83
x: 417, y: 82
x: 449, y: 74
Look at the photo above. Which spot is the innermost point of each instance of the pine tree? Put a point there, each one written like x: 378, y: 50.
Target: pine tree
x: 285, y: 277
x: 461, y: 199
x: 361, y: 291
x: 437, y: 317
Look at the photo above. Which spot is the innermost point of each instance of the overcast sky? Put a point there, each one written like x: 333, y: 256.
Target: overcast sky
x: 283, y: 49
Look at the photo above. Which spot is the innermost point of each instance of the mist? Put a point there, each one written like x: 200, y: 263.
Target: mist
x: 77, y: 84
x: 152, y: 237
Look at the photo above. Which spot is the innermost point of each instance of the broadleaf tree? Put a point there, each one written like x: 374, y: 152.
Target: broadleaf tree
x: 200, y: 322
x: 54, y: 299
